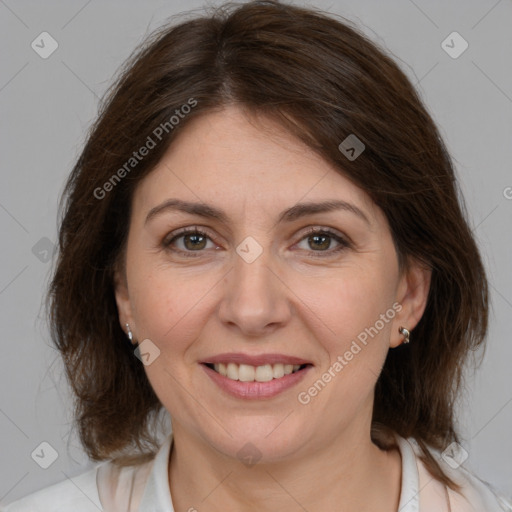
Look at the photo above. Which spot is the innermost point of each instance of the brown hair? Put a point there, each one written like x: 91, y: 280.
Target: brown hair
x: 323, y: 80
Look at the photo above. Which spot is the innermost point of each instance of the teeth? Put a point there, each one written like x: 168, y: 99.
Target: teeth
x: 232, y: 371
x: 246, y: 373
x: 249, y: 373
x: 278, y: 371
x: 264, y: 373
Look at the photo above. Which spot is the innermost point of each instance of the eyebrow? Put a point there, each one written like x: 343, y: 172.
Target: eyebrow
x: 289, y: 215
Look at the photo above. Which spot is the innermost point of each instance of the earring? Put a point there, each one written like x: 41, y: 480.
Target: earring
x: 129, y: 332
x: 405, y: 333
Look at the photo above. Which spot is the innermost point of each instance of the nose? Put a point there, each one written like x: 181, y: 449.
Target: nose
x: 255, y: 299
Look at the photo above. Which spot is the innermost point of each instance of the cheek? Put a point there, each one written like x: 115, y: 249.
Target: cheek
x: 354, y: 349
x: 168, y: 312
x: 348, y: 303
x: 155, y: 307
x: 354, y: 337
x: 169, y: 307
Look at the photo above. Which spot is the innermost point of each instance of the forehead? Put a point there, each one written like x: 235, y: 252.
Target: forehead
x: 234, y: 160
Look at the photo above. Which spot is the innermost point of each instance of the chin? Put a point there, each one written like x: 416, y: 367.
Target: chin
x: 256, y: 439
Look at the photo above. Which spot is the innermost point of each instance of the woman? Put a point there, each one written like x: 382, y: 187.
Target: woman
x: 267, y: 212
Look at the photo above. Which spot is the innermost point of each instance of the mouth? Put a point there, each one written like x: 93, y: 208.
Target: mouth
x: 246, y: 381
x: 250, y: 373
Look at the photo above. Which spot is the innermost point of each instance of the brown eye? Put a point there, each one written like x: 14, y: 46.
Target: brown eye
x: 186, y: 241
x: 194, y: 241
x: 320, y: 241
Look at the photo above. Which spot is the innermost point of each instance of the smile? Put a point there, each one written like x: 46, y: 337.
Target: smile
x: 249, y: 373
x: 255, y: 382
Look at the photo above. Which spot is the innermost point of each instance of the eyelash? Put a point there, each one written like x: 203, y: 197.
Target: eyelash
x: 344, y: 244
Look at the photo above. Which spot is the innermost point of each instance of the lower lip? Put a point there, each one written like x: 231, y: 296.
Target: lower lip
x: 256, y: 390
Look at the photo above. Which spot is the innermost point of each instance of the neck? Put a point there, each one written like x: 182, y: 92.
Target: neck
x: 348, y: 474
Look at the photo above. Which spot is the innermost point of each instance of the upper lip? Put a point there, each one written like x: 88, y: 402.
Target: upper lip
x: 255, y: 360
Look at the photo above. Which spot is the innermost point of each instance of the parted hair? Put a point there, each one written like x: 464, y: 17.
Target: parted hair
x: 322, y: 79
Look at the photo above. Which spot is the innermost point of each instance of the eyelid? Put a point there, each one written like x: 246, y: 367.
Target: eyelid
x: 327, y: 230
x: 343, y: 240
x: 185, y: 231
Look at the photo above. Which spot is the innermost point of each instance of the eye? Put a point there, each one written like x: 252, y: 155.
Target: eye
x: 194, y: 240
x: 319, y: 239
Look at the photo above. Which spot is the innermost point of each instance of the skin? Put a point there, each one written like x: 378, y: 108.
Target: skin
x: 317, y: 456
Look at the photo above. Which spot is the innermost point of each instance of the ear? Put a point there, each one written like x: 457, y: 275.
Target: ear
x: 122, y: 296
x: 412, y: 294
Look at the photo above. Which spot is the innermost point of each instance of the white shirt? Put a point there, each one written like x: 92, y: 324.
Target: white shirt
x: 145, y: 488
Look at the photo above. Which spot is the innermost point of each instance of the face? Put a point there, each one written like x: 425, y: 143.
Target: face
x: 258, y: 286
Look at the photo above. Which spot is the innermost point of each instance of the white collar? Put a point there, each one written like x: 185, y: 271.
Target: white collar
x: 157, y: 495
x: 409, y: 494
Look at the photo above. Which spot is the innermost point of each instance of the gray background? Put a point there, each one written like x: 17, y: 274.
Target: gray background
x: 46, y: 106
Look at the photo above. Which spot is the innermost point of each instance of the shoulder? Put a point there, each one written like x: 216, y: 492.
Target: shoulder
x: 105, y: 487
x: 79, y: 493
x: 475, y: 495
